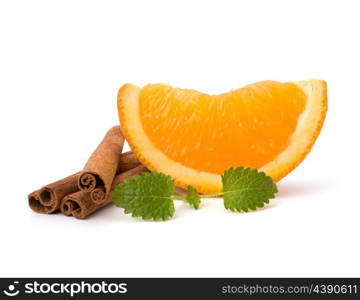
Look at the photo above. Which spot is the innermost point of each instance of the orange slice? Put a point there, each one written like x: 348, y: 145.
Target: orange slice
x: 194, y: 137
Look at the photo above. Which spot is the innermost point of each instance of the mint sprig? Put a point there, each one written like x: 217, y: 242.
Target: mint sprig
x: 246, y: 189
x: 148, y: 195
x: 192, y: 197
x: 151, y: 195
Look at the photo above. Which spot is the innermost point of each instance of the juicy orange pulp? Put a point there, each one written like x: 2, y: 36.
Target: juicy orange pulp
x: 213, y: 133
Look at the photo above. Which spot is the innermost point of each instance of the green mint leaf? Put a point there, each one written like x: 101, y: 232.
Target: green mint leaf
x: 147, y: 195
x: 192, y: 197
x: 246, y: 189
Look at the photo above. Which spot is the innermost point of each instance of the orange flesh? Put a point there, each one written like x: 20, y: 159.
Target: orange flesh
x: 213, y: 133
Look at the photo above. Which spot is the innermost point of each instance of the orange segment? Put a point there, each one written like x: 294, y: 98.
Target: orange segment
x: 197, y: 130
x: 195, y: 137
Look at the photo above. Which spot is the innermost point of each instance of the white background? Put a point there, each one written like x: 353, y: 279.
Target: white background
x: 61, y: 64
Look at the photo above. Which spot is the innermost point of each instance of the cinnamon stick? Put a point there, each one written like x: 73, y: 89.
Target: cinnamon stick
x: 127, y: 162
x: 119, y: 179
x: 47, y: 199
x: 100, y: 169
x: 34, y: 203
x: 80, y: 205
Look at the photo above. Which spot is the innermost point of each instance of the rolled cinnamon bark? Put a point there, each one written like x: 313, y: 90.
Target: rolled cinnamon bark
x: 98, y: 195
x: 119, y: 179
x: 35, y: 204
x: 100, y: 169
x: 47, y: 199
x: 51, y: 194
x: 127, y: 162
x: 80, y: 204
